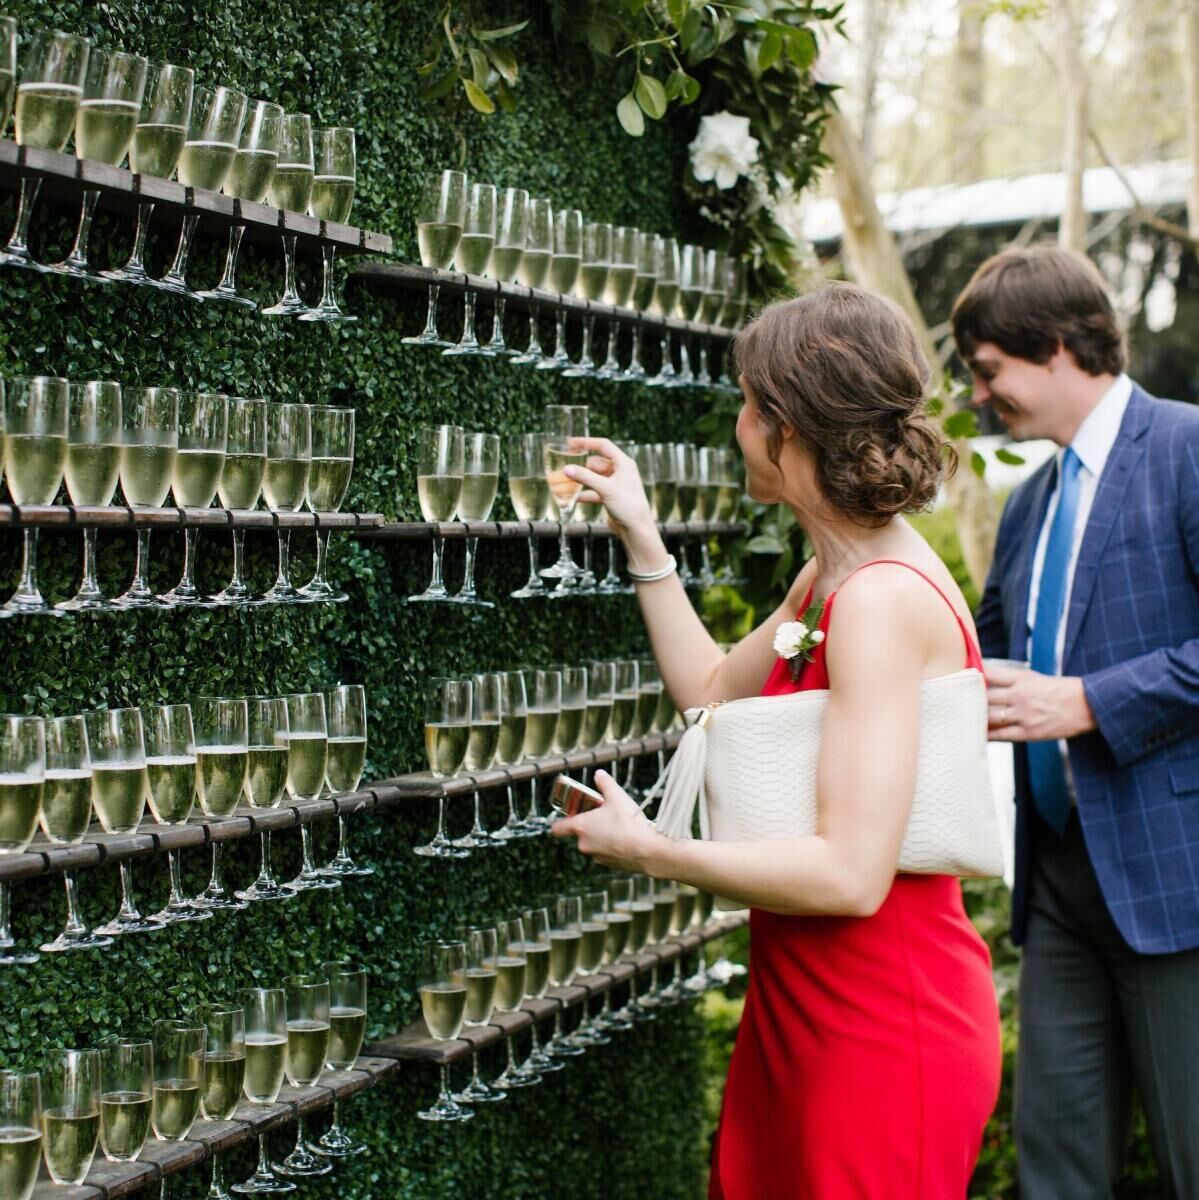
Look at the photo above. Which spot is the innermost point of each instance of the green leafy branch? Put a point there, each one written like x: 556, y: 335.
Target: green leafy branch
x: 464, y: 61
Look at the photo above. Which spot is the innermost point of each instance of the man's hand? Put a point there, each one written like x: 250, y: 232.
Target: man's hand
x: 1026, y: 706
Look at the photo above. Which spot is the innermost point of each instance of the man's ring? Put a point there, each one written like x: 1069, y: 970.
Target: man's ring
x: 1003, y: 716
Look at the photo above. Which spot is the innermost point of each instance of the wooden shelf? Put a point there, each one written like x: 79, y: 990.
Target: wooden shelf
x: 407, y: 531
x: 120, y: 516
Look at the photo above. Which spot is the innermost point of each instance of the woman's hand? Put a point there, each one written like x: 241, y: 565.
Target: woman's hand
x: 611, y: 478
x: 617, y: 833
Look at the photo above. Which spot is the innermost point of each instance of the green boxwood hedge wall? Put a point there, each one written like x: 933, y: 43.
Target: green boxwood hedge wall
x: 625, y: 1121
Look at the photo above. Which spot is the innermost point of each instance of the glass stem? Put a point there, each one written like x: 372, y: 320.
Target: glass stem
x: 468, y: 581
x: 6, y: 938
x: 534, y: 580
x: 264, y: 1165
x: 431, y: 316
x: 290, y: 295
x: 512, y: 817
x: 475, y: 1081
x: 563, y: 543
x: 217, y: 1190
x: 440, y: 837
x: 265, y: 874
x: 511, y: 1057
x: 534, y: 346
x: 497, y: 327
x: 89, y: 585
x: 28, y: 589
x: 239, y: 556
x: 667, y: 349
x: 635, y: 367
x: 328, y: 252
x: 74, y: 926
x: 588, y: 331
x: 335, y: 1127
x: 135, y: 265
x: 468, y: 321
x: 436, y: 584
x: 587, y: 552
x: 78, y: 255
x: 533, y: 813
x: 301, y: 1123
x: 140, y: 583
x: 560, y: 336
x: 128, y: 907
x: 322, y: 554
x: 179, y: 267
x: 284, y: 579
x: 216, y: 881
x: 18, y: 243
x: 177, y: 899
x: 445, y: 1098
x: 306, y: 846
x: 229, y: 278
x: 188, y: 583
x: 477, y: 827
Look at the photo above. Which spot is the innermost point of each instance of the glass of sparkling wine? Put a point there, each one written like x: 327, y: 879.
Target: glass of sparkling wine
x: 266, y: 1050
x: 22, y: 779
x: 472, y: 255
x: 619, y: 891
x: 564, y: 273
x: 511, y: 966
x: 624, y: 699
x: 53, y: 68
x: 728, y: 499
x: 157, y: 143
x: 307, y: 1049
x: 641, y: 910
x: 645, y: 281
x: 697, y: 983
x: 35, y: 451
x: 596, y: 263
x: 565, y: 938
x: 716, y: 265
x: 480, y: 482
x: 253, y: 165
x: 443, y: 1006
x: 149, y: 444
x: 732, y: 316
x: 113, y: 87
x: 448, y: 706
x: 345, y: 707
x: 8, y: 69
x: 622, y: 278
x: 692, y: 282
x: 563, y: 422
x: 347, y: 1029
x: 66, y: 812
x: 481, y: 981
x: 573, y: 710
x: 203, y: 441
x: 20, y: 1131
x: 213, y: 132
x: 285, y: 484
x: 530, y: 493
x: 290, y: 188
x: 544, y: 689
x: 439, y: 220
x: 686, y: 468
x: 266, y: 782
x: 592, y: 951
x: 240, y: 483
x: 117, y: 744
x: 514, y: 722
x: 681, y: 916
x: 126, y: 1087
x: 328, y: 481
x: 178, y: 1078
x: 537, y: 981
x: 707, y: 499
x: 511, y: 234
x: 332, y: 197
x: 307, y: 766
x: 482, y: 746
x: 439, y: 472
x: 222, y: 754
x: 601, y: 684
x: 666, y: 293
x: 70, y: 1113
x: 534, y: 269
x: 224, y: 1074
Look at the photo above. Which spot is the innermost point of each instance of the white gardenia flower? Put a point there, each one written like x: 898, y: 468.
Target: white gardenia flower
x: 723, y: 150
x: 817, y: 636
x: 789, y: 637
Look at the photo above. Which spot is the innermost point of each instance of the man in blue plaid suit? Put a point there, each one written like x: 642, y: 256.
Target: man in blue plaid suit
x: 1095, y: 583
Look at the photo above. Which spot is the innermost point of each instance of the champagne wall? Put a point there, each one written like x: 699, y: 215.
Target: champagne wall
x: 624, y: 1115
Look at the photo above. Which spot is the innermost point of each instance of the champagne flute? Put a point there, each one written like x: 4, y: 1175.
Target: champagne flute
x: 439, y: 219
x: 443, y: 1006
x: 346, y: 710
x: 36, y: 420
x: 619, y: 891
x: 104, y: 123
x: 285, y: 484
x: 482, y: 977
x: 662, y: 892
x: 213, y: 130
x: 514, y: 721
x: 20, y: 1131
x: 253, y: 165
x: 716, y: 265
x: 240, y: 483
x: 267, y: 732
x: 619, y: 291
x: 601, y: 695
x: 149, y: 444
x: 486, y: 698
x: 641, y: 910
x: 511, y: 234
x: 565, y: 939
x: 222, y: 762
x: 530, y: 493
x: 696, y: 984
x: 511, y: 983
x: 666, y: 292
x: 611, y: 585
x: 307, y: 765
x: 728, y: 499
x: 573, y: 709
x: 332, y: 197
x: 683, y: 913
x: 203, y: 443
x: 471, y: 257
x: 307, y: 1049
x: 53, y: 69
x: 266, y: 1050
x: 347, y: 1028
x: 692, y: 281
x: 563, y: 422
x: 592, y: 946
x: 290, y: 188
x: 439, y: 472
x: 648, y: 260
x: 685, y: 458
x: 596, y: 263
x: 71, y: 1113
x: 732, y: 316
x: 544, y: 690
x: 447, y: 735
x: 328, y: 482
x: 91, y: 470
x: 157, y: 143
x: 564, y: 273
x: 178, y: 1078
x: 707, y: 501
x: 224, y: 1075
x: 22, y: 784
x: 534, y: 269
x: 117, y: 744
x: 480, y: 482
x: 537, y: 981
x: 126, y: 1087
x: 8, y: 69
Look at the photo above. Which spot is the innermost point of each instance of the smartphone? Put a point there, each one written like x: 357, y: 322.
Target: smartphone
x: 570, y: 797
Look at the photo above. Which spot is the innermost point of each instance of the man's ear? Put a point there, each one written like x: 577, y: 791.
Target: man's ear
x: 1062, y: 358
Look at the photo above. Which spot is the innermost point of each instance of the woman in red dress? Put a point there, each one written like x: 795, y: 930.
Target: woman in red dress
x: 868, y: 1058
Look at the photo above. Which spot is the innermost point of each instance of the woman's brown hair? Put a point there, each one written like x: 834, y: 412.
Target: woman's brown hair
x: 842, y: 367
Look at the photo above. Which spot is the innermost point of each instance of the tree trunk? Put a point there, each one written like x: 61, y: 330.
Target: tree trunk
x: 1190, y: 67
x: 969, y: 159
x: 1072, y: 232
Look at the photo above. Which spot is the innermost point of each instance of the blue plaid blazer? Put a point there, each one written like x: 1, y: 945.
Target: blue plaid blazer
x: 1132, y: 634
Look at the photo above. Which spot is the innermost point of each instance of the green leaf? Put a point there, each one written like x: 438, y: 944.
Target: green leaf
x: 764, y: 543
x: 455, y: 49
x: 441, y: 86
x: 507, y: 100
x: 651, y: 95
x: 690, y: 29
x: 961, y: 424
x: 674, y: 85
x: 691, y: 90
x: 479, y: 99
x: 778, y: 27
x: 677, y: 10
x: 479, y: 68
x: 770, y: 51
x: 504, y: 62
x: 801, y: 48
x: 628, y: 113
x: 1009, y: 457
x: 491, y: 35
x: 978, y: 464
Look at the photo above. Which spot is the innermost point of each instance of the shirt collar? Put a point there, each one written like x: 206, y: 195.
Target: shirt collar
x: 1097, y: 434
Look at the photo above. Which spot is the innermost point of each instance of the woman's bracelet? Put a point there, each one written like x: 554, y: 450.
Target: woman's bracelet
x: 653, y: 576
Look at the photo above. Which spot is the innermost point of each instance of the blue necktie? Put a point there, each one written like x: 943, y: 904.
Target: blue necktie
x: 1047, y: 773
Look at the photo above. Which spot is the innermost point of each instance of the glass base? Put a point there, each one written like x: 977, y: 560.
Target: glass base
x: 129, y: 924
x: 478, y: 841
x: 180, y: 596
x: 258, y: 891
x: 592, y: 1036
x: 541, y: 1062
x: 327, y: 312
x: 561, y: 1048
x: 11, y: 957
x: 446, y: 1110
x: 528, y: 592
x: 443, y: 849
x: 526, y: 359
x: 232, y: 596
x: 431, y: 595
x: 183, y: 910
x: 75, y: 271
x: 616, y: 1021
x: 520, y: 1078
x: 344, y: 868
x: 125, y: 274
x: 479, y: 1093
x: 30, y: 606
x: 281, y: 593
x: 86, y: 602
x: 139, y: 599
x: 467, y: 350
x: 210, y: 901
x: 262, y: 1184
x: 285, y: 308
x: 176, y: 287
x: 224, y: 295
x: 300, y: 1164
x: 534, y: 826
x: 309, y: 882
x: 427, y: 340
x: 75, y: 941
x: 471, y: 601
x: 337, y: 1144
x: 555, y: 362
x: 22, y: 258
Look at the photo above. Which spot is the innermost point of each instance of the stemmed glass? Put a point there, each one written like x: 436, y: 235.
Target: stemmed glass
x: 253, y: 165
x: 482, y: 976
x: 179, y: 1071
x: 530, y: 494
x: 662, y: 892
x: 649, y: 694
x: 486, y: 705
x: 240, y: 483
x: 307, y: 1049
x: 707, y: 500
x: 620, y: 920
x: 511, y: 234
x: 334, y: 158
x: 692, y: 281
x: 439, y: 470
x: 649, y: 260
x: 480, y: 482
x: 544, y: 690
x: 203, y: 443
x: 120, y: 783
x: 511, y: 983
x: 8, y: 85
x: 22, y: 780
x: 697, y: 983
x: 443, y: 1006
x: 592, y: 947
x: 728, y: 498
x: 716, y: 265
x: 21, y: 1120
x: 285, y: 484
x: 666, y: 292
x: 611, y: 584
x: 346, y: 711
x: 328, y: 482
x: 447, y: 735
x: 565, y: 938
x: 685, y: 458
x: 514, y: 721
x: 267, y: 732
x: 472, y: 255
x: 563, y: 422
x: 732, y: 316
x: 222, y: 754
x: 641, y: 910
x: 681, y: 917
x: 536, y: 922
x: 70, y: 1113
x: 35, y: 451
x: 157, y: 143
x: 93, y: 463
x: 347, y: 1028
x: 534, y: 269
x: 108, y: 113
x: 213, y: 131
x: 149, y: 444
x: 624, y: 699
x: 564, y: 274
x: 307, y: 765
x: 621, y: 280
x: 126, y: 1087
x: 601, y: 684
x: 592, y: 283
x: 439, y: 219
x: 53, y: 69
x: 265, y: 1012
x: 290, y: 188
x: 573, y: 709
x: 224, y: 1075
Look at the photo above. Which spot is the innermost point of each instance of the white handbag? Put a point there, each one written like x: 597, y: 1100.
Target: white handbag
x: 750, y: 765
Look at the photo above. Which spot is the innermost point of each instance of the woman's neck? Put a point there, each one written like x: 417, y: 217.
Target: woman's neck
x: 840, y: 546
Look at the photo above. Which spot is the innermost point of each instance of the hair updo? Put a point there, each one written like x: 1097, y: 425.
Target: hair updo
x: 842, y: 367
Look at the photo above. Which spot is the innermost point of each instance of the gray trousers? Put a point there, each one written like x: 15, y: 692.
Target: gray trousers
x: 1098, y: 1021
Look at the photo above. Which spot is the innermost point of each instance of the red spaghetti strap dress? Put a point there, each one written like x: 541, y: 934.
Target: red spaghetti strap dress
x: 868, y: 1057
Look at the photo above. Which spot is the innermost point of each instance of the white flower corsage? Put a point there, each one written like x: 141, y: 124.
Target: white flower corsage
x: 795, y: 640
